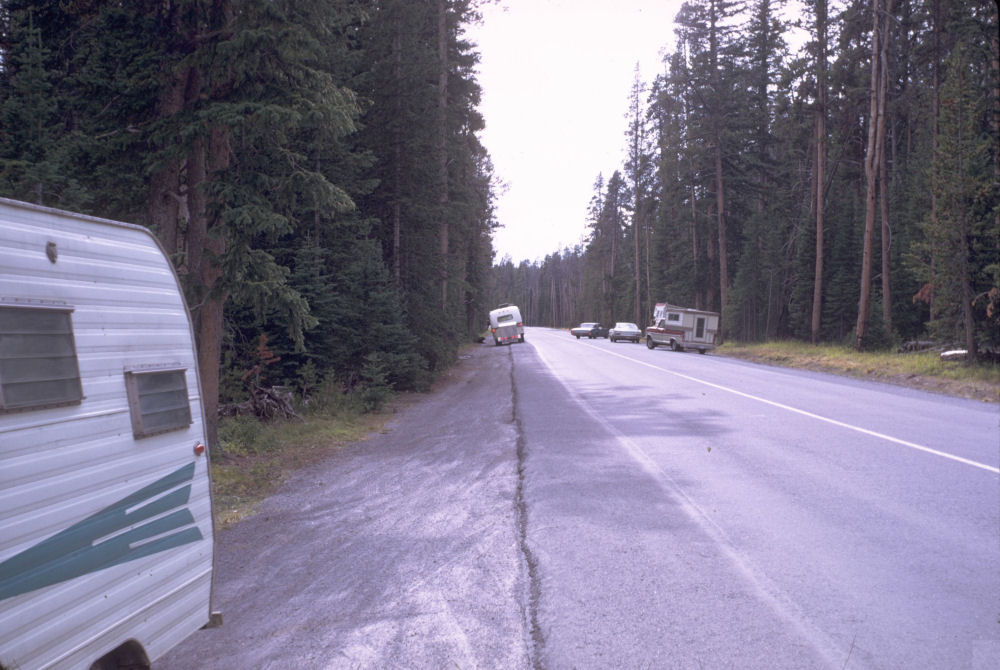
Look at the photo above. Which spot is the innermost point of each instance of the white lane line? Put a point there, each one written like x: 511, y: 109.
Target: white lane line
x: 841, y: 424
x: 765, y: 589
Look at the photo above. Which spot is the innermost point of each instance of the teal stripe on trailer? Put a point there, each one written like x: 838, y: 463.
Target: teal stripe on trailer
x: 73, y: 553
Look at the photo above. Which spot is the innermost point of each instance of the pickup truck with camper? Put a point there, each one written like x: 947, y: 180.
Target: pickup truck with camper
x: 506, y: 326
x: 682, y: 328
x: 106, y: 533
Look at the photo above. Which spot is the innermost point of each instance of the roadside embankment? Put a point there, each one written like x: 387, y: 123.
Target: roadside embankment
x: 919, y: 370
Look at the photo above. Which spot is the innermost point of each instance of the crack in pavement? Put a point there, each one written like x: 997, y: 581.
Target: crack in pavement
x: 534, y: 630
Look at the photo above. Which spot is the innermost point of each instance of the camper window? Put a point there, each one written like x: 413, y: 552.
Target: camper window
x: 38, y: 366
x: 158, y: 401
x: 674, y: 316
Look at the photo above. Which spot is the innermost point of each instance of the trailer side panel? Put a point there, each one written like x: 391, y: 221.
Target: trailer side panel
x: 105, y: 508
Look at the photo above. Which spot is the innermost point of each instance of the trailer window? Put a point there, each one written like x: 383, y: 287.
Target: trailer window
x: 38, y: 365
x: 674, y: 317
x: 158, y: 401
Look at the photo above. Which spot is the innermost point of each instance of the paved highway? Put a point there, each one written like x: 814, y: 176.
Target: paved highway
x: 579, y: 504
x: 697, y: 511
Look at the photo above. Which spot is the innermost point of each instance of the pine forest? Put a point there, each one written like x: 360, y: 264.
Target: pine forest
x: 845, y: 193
x: 315, y: 170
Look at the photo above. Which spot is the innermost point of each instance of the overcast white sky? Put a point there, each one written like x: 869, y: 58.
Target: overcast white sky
x: 556, y: 76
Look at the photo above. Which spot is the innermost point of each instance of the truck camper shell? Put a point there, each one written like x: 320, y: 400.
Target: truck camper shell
x: 682, y: 328
x: 106, y: 536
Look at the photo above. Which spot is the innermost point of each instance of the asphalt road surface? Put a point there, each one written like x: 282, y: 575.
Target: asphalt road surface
x: 573, y: 503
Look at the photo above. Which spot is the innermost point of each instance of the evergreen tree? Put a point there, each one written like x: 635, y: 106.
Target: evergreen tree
x: 638, y: 165
x: 679, y: 236
x: 606, y: 252
x: 749, y: 304
x: 874, y: 155
x: 962, y: 240
x: 224, y: 126
x: 789, y: 268
x: 433, y: 222
x: 707, y: 29
x: 819, y: 176
x: 75, y: 94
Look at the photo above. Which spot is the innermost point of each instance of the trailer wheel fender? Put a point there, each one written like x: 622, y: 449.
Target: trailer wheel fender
x: 129, y: 655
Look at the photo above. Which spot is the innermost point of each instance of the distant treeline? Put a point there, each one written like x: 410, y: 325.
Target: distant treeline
x: 312, y: 167
x: 848, y: 192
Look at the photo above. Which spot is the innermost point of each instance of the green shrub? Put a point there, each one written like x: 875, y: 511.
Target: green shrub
x: 405, y: 371
x: 245, y: 436
x: 375, y: 388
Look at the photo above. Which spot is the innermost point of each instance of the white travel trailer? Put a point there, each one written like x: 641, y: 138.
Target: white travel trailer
x: 506, y: 326
x: 106, y: 537
x: 682, y: 328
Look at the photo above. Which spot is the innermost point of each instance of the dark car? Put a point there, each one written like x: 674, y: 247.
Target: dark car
x: 589, y: 329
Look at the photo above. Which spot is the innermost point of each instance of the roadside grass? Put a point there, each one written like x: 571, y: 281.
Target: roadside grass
x: 255, y: 458
x: 922, y: 370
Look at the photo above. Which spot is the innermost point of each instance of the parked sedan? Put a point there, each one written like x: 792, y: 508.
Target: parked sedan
x: 625, y: 331
x: 589, y: 329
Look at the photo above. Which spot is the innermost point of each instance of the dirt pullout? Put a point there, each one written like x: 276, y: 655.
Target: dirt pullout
x: 400, y: 551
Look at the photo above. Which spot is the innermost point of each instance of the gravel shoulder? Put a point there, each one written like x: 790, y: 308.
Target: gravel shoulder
x: 399, y: 551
